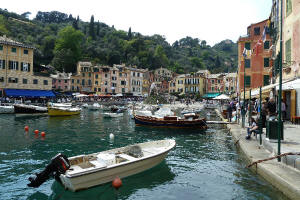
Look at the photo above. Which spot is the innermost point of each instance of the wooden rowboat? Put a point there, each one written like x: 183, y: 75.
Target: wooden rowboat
x: 189, y: 121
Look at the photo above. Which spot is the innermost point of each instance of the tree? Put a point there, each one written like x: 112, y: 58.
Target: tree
x: 160, y: 58
x: 3, y: 30
x: 129, y: 33
x: 26, y: 14
x: 98, y: 28
x: 197, y: 63
x: 203, y: 43
x: 92, y: 28
x: 68, y: 44
x: 75, y: 23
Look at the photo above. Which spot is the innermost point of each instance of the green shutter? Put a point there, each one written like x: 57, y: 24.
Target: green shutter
x: 266, y: 80
x: 266, y: 45
x: 1, y: 47
x: 288, y: 7
x: 247, y: 63
x: 248, y: 81
x: 288, y: 53
x: 247, y: 45
x: 266, y: 62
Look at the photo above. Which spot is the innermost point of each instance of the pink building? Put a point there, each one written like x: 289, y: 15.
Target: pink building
x: 61, y: 81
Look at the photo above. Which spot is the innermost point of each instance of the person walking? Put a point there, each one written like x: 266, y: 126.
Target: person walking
x: 283, y: 110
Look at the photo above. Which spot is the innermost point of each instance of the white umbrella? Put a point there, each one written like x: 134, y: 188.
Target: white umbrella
x: 81, y: 95
x: 222, y: 97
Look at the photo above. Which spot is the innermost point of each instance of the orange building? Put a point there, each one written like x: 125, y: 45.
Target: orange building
x: 254, y: 57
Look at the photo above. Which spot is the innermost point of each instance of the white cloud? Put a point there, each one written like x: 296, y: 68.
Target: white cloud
x: 212, y: 20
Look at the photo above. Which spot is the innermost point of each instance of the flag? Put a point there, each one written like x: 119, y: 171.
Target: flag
x: 245, y: 53
x: 264, y: 34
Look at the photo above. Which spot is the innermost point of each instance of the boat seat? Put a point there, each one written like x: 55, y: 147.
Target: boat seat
x: 98, y: 164
x: 127, y: 157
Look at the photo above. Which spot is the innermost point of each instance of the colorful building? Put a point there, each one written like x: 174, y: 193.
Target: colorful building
x: 16, y: 67
x: 254, y: 57
x: 61, y: 81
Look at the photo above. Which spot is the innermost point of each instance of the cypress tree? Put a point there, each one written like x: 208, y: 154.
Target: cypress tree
x: 92, y: 28
x: 98, y: 28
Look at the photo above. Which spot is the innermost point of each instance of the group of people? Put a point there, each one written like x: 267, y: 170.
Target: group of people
x: 268, y: 111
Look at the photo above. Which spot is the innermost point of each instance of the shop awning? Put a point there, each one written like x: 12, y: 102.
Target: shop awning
x: 28, y: 93
x: 211, y: 95
x: 292, y: 85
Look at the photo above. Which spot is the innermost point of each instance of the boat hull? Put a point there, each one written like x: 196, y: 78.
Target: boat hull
x: 6, y: 109
x: 58, y: 112
x: 29, y: 109
x: 150, y: 121
x: 110, y: 173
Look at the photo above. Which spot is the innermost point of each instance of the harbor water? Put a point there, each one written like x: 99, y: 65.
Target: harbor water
x: 203, y: 165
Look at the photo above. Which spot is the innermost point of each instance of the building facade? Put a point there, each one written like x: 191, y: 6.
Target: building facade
x: 16, y: 67
x: 61, y: 81
x: 254, y: 57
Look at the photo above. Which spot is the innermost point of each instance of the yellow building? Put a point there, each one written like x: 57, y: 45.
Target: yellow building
x: 179, y: 86
x: 84, y: 78
x: 16, y: 67
x: 194, y: 84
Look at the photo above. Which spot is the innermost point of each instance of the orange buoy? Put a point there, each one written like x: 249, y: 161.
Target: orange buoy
x: 117, y: 183
x: 26, y: 128
x: 43, y: 134
x: 36, y: 131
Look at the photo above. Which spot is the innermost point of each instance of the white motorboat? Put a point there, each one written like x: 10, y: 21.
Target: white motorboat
x: 94, y: 106
x: 85, y: 171
x: 61, y: 104
x: 112, y: 115
x: 7, y: 109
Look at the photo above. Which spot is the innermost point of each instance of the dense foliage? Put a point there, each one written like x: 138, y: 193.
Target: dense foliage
x: 61, y: 40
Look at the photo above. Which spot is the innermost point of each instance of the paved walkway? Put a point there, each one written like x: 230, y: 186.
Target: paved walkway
x: 283, y: 175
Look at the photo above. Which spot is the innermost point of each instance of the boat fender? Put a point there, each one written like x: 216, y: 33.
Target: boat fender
x: 59, y: 165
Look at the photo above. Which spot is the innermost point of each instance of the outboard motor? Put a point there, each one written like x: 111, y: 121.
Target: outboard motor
x: 59, y: 165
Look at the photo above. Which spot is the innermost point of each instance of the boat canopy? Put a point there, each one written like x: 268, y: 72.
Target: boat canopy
x: 210, y: 95
x: 28, y: 93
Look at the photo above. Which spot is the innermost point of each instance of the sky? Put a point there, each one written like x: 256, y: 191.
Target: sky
x: 210, y: 20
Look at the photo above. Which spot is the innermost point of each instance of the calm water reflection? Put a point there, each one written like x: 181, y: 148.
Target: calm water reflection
x: 204, y: 165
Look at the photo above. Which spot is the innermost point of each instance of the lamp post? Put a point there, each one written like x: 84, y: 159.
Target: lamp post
x: 280, y: 85
x: 243, y: 110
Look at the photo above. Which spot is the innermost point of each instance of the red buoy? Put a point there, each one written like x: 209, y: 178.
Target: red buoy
x: 26, y: 128
x: 43, y: 134
x: 117, y: 183
x: 36, y: 131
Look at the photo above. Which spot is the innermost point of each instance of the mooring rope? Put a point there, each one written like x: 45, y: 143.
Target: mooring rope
x: 267, y: 159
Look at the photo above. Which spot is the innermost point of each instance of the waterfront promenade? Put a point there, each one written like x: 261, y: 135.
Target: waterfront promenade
x: 284, y: 175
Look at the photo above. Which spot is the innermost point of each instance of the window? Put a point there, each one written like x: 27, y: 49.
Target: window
x: 14, y: 50
x: 13, y: 65
x: 66, y: 87
x: 78, y: 81
x: 66, y: 81
x: 12, y: 80
x: 25, y: 67
x: 212, y: 88
x: 99, y: 89
x: 105, y: 90
x: 288, y: 53
x: 123, y: 82
x: 96, y: 76
x: 72, y: 88
x: 1, y: 47
x: 114, y: 72
x: 96, y: 82
x: 1, y: 79
x: 227, y: 88
x: 288, y: 7
x: 138, y: 74
x: 218, y: 81
x: 212, y: 81
x: 45, y: 82
x: 59, y: 81
x: 83, y: 74
x: 266, y: 62
x: 257, y: 31
x: 82, y: 82
x: 25, y: 51
x: 105, y: 75
x: 120, y: 74
x: 247, y: 63
x: 90, y: 82
x: 266, y: 45
x: 105, y: 83
x: 266, y: 80
x: 90, y: 74
x: 2, y: 64
x: 35, y: 81
x: 231, y: 88
x: 247, y: 45
x: 25, y: 81
x: 72, y: 80
x: 248, y: 81
x: 95, y: 89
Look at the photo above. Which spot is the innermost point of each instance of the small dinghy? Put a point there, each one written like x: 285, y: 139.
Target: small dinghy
x: 85, y: 171
x: 112, y: 115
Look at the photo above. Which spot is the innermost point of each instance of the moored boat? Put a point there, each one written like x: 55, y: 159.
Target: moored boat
x: 94, y: 106
x: 112, y: 115
x: 6, y: 109
x: 29, y: 109
x: 63, y: 111
x: 189, y: 121
x: 84, y: 171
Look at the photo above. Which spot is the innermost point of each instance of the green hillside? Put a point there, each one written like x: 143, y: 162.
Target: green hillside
x: 61, y: 40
